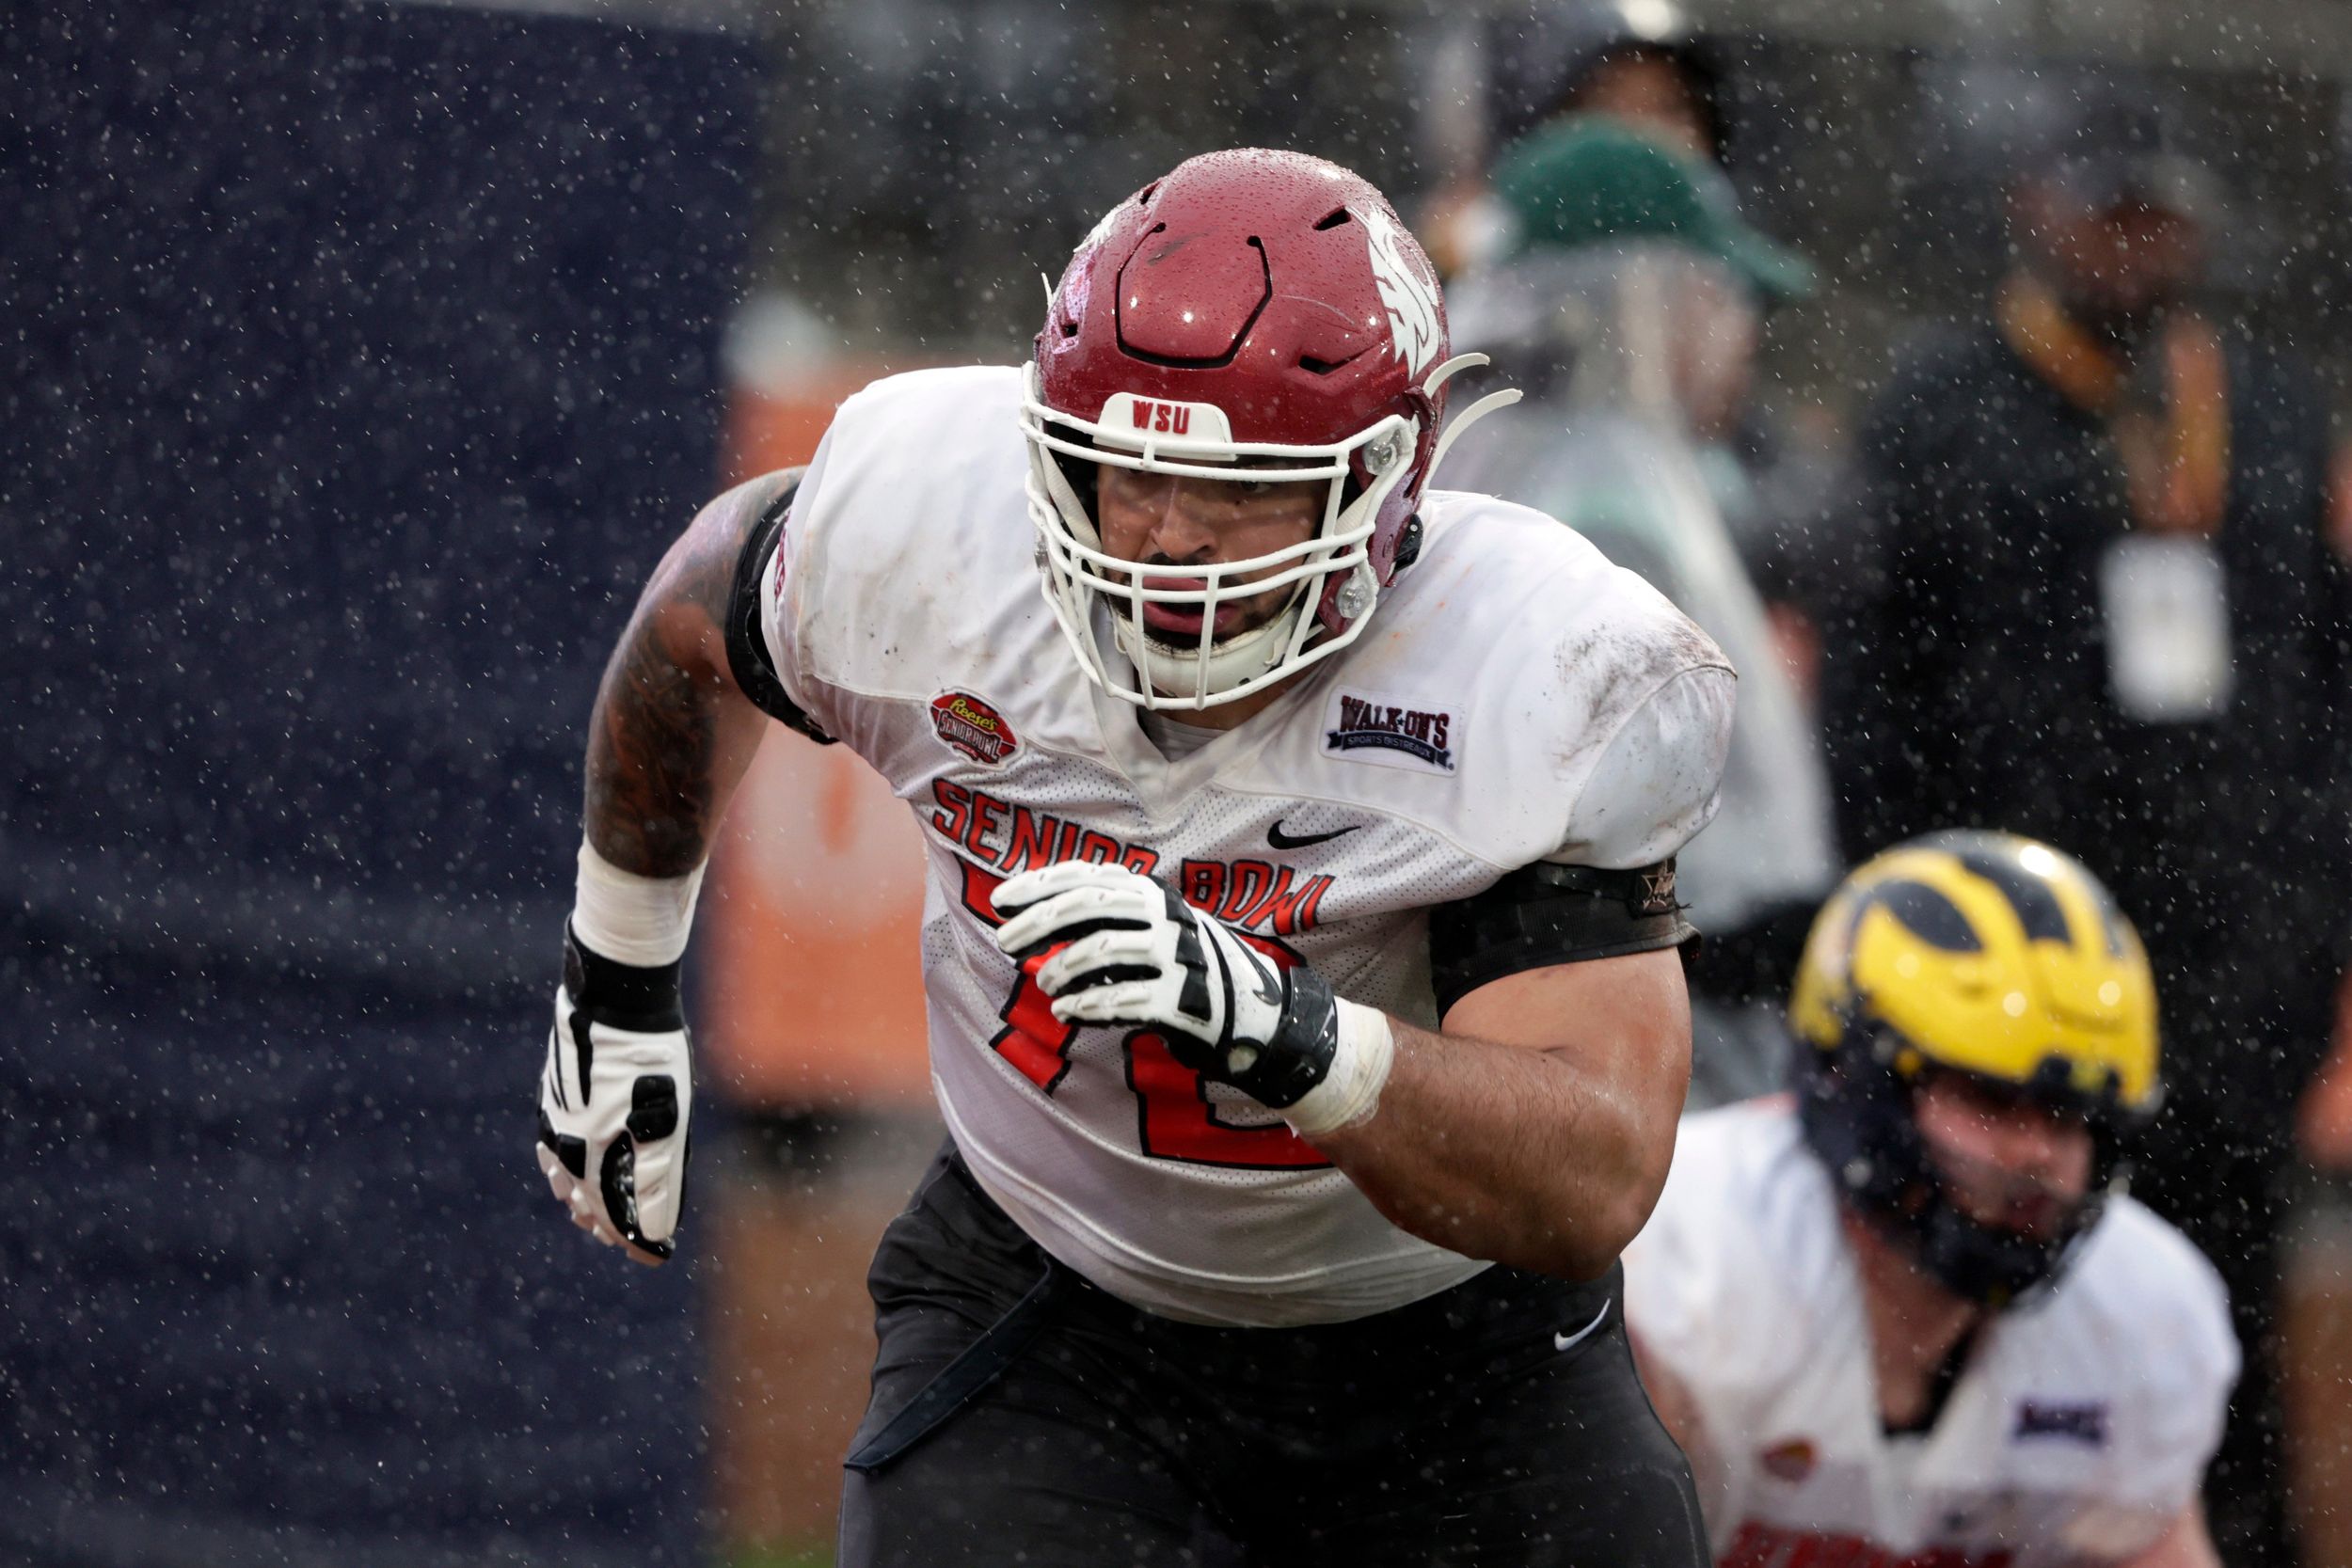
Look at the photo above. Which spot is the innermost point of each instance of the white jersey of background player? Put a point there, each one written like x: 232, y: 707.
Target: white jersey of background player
x: 1891, y: 1319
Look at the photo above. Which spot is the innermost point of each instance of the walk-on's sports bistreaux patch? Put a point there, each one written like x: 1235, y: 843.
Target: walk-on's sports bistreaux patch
x: 1394, y: 732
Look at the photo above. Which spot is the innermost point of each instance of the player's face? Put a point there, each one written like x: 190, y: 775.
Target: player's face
x: 1165, y: 520
x: 1649, y: 91
x: 2117, y: 268
x: 2006, y: 1160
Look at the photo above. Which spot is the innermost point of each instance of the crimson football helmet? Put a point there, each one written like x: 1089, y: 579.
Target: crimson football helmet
x: 1257, y: 306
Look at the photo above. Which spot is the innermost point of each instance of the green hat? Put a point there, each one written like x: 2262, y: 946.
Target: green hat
x: 1585, y: 179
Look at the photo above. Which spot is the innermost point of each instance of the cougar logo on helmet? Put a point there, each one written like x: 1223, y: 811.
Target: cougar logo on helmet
x: 1409, y: 293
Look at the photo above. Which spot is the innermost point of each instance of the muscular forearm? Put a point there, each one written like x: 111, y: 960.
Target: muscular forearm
x: 672, y: 733
x: 1501, y: 1152
x: 1549, y: 1160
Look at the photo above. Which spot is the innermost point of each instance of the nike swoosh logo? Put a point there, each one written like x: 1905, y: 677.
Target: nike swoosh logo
x: 1280, y: 840
x: 1569, y: 1342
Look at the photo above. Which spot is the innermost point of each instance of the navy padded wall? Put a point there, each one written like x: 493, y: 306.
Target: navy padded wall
x: 361, y: 361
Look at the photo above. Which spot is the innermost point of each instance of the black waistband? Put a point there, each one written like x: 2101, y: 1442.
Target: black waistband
x: 1502, y: 1303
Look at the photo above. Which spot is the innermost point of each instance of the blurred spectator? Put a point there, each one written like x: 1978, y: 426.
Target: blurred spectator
x: 1634, y: 63
x: 1628, y: 313
x: 1640, y: 68
x: 2095, y: 605
x: 1638, y: 62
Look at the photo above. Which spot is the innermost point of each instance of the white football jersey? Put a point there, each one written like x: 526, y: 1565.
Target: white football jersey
x: 1515, y: 697
x: 2078, y: 1432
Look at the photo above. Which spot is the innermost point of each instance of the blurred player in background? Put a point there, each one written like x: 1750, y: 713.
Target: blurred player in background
x: 1910, y: 1318
x: 1302, y: 953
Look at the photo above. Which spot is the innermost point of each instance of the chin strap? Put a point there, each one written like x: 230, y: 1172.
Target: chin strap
x: 1471, y: 416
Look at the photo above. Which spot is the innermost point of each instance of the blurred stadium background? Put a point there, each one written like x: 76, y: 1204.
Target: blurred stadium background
x: 362, y: 358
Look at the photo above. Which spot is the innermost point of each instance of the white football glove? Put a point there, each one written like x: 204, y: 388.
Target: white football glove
x: 1125, y: 950
x: 614, y: 1099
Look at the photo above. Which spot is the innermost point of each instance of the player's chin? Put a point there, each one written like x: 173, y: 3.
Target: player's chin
x: 2043, y: 1223
x: 1190, y: 648
x: 1175, y: 637
x: 2041, y: 1219
x: 1255, y: 614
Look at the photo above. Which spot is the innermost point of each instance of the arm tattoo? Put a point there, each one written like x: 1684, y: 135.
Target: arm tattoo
x: 671, y: 733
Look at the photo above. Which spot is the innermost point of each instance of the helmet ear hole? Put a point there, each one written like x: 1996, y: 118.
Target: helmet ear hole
x: 1408, y: 544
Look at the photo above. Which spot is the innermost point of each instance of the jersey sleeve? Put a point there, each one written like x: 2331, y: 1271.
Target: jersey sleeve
x: 1669, y: 1278
x: 758, y: 573
x: 2156, y: 1325
x: 782, y: 576
x: 1660, y: 1307
x: 1681, y: 1311
x: 1642, y: 709
x: 884, y: 577
x: 2192, y: 1364
x: 1658, y: 779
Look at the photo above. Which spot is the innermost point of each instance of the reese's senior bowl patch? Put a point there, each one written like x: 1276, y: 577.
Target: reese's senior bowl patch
x: 1394, y: 732
x: 973, y: 727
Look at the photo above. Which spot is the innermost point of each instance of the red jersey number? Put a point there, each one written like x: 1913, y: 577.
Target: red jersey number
x: 1175, y: 1119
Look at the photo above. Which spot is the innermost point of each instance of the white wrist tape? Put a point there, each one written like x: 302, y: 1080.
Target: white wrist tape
x: 631, y: 919
x: 1350, y: 1092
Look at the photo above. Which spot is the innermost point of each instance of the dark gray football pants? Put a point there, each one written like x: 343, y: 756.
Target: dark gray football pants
x: 1083, y: 1432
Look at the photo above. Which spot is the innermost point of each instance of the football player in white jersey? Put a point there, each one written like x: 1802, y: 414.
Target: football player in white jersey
x: 1301, y: 948
x: 1910, y: 1317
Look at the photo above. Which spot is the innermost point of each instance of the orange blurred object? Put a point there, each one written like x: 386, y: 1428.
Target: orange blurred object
x: 809, y: 943
x: 2315, y: 1376
x: 2315, y: 1315
x: 2324, y: 1121
x: 792, y: 1346
x: 810, y: 940
x: 776, y: 428
x: 2340, y: 502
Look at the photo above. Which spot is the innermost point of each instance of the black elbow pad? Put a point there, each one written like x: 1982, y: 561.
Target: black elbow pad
x: 1545, y: 914
x: 747, y: 650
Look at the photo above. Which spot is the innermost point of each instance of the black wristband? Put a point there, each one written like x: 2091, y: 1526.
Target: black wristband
x: 623, y: 996
x: 1291, y: 1063
x: 1299, y: 1055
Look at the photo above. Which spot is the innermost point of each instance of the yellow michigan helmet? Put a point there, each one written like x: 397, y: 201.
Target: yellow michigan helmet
x: 1983, y: 954
x: 1991, y: 954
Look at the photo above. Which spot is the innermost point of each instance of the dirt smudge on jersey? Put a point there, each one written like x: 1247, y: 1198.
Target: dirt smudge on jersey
x: 1610, y: 671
